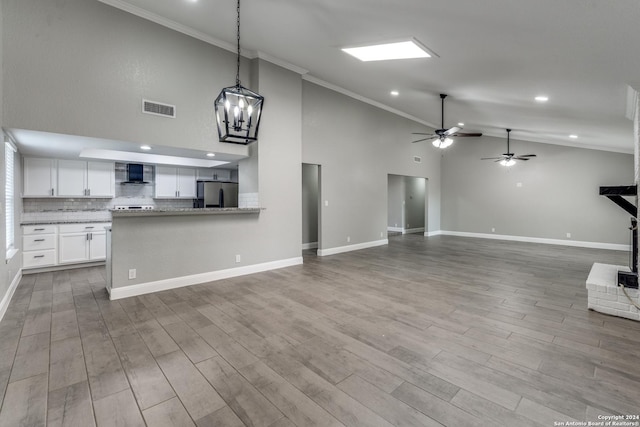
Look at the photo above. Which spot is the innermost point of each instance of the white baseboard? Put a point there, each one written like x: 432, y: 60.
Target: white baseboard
x: 4, y: 304
x: 349, y: 248
x: 395, y: 229
x: 432, y: 233
x: 413, y: 230
x: 575, y: 243
x: 310, y: 245
x: 195, y: 279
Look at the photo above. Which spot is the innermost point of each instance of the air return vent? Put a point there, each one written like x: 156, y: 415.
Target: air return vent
x: 158, y: 109
x: 417, y: 159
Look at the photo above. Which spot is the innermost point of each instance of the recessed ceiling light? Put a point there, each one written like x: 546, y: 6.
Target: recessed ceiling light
x: 460, y: 124
x: 542, y: 98
x: 145, y: 147
x: 211, y: 155
x: 395, y: 93
x: 573, y: 136
x: 397, y: 50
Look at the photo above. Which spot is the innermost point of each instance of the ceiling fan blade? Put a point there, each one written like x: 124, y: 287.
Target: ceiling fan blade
x: 422, y: 133
x: 492, y: 158
x: 528, y: 155
x: 467, y: 134
x: 425, y: 139
x: 522, y: 158
x: 451, y: 131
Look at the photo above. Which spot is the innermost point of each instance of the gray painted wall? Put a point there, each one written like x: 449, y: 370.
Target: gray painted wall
x: 558, y: 192
x: 414, y: 196
x: 82, y: 68
x: 357, y: 146
x: 395, y: 197
x: 167, y: 247
x: 310, y: 195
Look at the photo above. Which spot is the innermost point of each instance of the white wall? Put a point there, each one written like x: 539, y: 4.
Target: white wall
x: 558, y: 192
x: 357, y: 146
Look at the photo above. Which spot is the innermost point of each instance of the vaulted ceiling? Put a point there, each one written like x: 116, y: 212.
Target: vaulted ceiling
x: 493, y: 57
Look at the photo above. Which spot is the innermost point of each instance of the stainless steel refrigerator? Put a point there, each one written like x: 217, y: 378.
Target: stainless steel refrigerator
x: 215, y: 194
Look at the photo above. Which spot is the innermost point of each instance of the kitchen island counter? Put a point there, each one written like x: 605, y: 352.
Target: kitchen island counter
x: 115, y: 213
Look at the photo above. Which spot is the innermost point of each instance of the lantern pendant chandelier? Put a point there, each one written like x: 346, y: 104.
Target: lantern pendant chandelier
x: 238, y: 109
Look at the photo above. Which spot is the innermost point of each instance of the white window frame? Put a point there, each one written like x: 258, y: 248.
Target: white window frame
x: 10, y: 198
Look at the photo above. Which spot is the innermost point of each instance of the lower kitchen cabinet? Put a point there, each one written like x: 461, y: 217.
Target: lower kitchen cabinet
x: 64, y: 244
x: 81, y: 243
x: 39, y: 246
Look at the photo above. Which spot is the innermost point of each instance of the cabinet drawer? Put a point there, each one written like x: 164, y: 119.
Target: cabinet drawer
x: 38, y: 242
x: 38, y: 229
x: 82, y: 228
x: 38, y: 258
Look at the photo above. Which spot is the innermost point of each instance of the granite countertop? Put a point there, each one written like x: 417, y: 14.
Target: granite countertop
x: 183, y: 211
x: 63, y: 221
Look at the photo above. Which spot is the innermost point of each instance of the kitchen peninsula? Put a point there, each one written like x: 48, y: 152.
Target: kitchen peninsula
x: 159, y: 249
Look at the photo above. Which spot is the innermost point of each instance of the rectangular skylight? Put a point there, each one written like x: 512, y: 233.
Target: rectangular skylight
x: 386, y: 51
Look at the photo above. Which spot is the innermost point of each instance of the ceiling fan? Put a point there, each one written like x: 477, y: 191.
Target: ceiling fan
x: 508, y: 158
x: 441, y: 137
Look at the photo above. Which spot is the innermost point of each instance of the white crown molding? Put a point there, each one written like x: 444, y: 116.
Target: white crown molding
x: 134, y: 10
x: 354, y: 95
x: 281, y: 63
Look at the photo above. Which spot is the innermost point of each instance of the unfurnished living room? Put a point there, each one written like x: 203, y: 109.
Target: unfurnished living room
x: 398, y: 214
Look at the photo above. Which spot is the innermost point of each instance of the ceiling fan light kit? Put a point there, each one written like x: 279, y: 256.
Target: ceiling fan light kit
x: 442, y: 137
x: 509, y: 159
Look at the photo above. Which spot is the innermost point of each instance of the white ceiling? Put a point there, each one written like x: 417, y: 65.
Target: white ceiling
x: 495, y: 56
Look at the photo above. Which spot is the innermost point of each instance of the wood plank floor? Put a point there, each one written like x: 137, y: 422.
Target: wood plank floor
x: 422, y: 332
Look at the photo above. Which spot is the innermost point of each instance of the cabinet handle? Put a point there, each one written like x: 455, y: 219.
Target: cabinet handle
x: 38, y: 229
x: 38, y: 240
x: 86, y: 237
x: 52, y: 191
x: 89, y: 227
x: 90, y: 236
x: 38, y: 256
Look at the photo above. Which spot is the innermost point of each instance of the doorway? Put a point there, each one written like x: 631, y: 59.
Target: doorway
x: 310, y: 208
x: 406, y: 204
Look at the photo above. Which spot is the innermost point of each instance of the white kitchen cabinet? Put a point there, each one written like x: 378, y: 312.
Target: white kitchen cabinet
x: 175, y: 183
x: 38, y: 246
x: 78, y: 178
x: 81, y: 243
x: 214, y: 174
x: 39, y: 177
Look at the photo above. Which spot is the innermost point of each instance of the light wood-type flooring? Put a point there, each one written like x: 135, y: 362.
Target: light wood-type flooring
x: 423, y: 332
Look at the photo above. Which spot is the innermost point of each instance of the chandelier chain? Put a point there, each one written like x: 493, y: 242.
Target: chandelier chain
x: 238, y: 39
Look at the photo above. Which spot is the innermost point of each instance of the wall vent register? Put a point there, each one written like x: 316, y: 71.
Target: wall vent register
x: 158, y: 109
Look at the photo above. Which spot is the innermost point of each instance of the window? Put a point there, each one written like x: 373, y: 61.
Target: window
x: 9, y: 195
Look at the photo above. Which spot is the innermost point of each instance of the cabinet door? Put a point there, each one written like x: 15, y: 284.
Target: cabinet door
x: 73, y: 247
x: 100, y: 179
x: 39, y: 177
x: 72, y: 178
x: 186, y: 183
x: 166, y: 182
x: 98, y: 246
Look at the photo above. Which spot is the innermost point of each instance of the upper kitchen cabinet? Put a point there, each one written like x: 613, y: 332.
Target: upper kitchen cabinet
x: 78, y: 178
x: 39, y: 177
x: 214, y: 174
x: 175, y: 183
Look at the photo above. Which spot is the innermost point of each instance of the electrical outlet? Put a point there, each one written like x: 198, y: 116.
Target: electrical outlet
x: 493, y: 229
x: 381, y: 235
x: 519, y: 184
x: 326, y: 203
x: 132, y: 273
x: 348, y: 239
x: 238, y: 258
x: 568, y: 235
